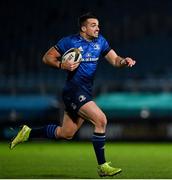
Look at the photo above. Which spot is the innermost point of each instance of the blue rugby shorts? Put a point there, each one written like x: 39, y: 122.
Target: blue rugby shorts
x: 74, y: 98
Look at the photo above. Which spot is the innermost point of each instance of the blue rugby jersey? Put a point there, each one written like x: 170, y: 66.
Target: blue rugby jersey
x: 83, y: 76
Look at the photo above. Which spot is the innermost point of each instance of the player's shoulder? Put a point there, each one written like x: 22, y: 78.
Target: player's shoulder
x: 101, y: 37
x: 100, y: 40
x: 70, y: 37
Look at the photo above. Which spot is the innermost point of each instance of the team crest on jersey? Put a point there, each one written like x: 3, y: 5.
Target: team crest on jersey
x: 96, y: 46
x: 82, y: 98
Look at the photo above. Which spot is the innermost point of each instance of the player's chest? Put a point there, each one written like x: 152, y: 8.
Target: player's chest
x: 89, y: 50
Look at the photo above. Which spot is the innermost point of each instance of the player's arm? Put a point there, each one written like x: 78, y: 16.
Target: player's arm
x: 118, y: 61
x: 53, y: 58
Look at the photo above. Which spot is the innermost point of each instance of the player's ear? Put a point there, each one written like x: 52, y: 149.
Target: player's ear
x: 83, y: 28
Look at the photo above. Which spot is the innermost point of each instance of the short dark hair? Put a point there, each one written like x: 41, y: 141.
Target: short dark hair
x: 84, y: 17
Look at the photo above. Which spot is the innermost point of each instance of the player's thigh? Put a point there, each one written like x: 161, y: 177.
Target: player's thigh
x: 93, y: 113
x: 70, y: 125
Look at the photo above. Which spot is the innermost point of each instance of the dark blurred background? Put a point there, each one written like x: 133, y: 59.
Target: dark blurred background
x: 137, y: 101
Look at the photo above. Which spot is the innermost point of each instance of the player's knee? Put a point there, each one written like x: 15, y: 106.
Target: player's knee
x: 68, y: 137
x: 101, y: 121
x: 65, y: 133
x: 68, y: 134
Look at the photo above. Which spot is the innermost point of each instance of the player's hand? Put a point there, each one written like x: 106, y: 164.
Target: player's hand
x: 70, y: 66
x: 129, y: 62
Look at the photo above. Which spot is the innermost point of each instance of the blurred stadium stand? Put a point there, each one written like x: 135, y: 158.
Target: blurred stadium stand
x: 140, y: 29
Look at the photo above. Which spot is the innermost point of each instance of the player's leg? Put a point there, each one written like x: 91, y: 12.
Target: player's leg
x: 94, y: 114
x: 51, y: 131
x: 69, y: 126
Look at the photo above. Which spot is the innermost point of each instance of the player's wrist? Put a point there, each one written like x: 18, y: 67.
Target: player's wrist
x: 123, y: 62
x: 60, y: 65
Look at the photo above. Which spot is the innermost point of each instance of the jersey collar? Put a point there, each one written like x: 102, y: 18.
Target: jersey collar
x: 81, y: 38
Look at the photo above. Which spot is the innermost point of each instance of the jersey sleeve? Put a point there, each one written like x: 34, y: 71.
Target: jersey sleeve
x: 105, y: 47
x: 62, y: 45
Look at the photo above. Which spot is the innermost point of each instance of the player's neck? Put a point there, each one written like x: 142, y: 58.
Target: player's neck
x: 86, y: 37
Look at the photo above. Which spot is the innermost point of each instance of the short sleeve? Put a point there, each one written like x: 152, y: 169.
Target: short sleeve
x: 105, y: 47
x: 63, y: 45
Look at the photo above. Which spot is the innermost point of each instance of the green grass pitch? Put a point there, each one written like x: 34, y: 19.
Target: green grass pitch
x: 67, y: 160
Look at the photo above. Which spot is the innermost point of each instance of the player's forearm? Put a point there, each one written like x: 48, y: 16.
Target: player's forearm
x: 51, y: 61
x: 115, y: 60
x: 120, y: 62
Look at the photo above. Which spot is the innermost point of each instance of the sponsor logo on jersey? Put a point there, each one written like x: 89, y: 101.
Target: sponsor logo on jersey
x: 90, y: 59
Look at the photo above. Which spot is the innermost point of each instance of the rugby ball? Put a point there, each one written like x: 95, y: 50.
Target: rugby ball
x: 72, y: 54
